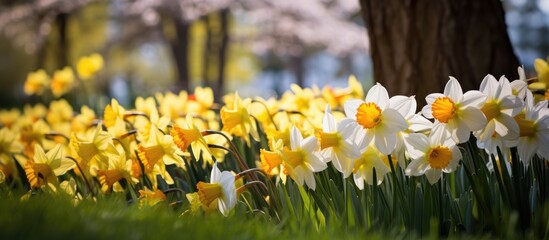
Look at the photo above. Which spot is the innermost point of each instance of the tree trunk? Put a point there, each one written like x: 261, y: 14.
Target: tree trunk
x: 180, y: 50
x: 62, y: 19
x: 222, y: 55
x: 416, y: 45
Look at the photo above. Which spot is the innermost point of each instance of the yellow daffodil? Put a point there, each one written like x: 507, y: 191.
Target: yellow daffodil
x: 84, y: 120
x: 62, y: 81
x: 9, y: 117
x: 112, y: 112
x: 151, y: 198
x: 36, y: 82
x: 201, y: 101
x: 44, y: 168
x: 270, y: 161
x: 191, y: 136
x: 221, y: 188
x: 94, y: 148
x: 8, y: 146
x: 237, y: 121
x: 88, y: 66
x: 119, y: 168
x: 171, y: 105
x: 542, y: 69
x: 32, y: 134
x: 158, y: 151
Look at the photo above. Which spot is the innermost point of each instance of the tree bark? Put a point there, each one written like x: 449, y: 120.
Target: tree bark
x: 417, y: 44
x: 222, y: 55
x: 180, y: 51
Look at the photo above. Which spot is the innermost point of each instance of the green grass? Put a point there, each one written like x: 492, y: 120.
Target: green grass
x: 55, y: 217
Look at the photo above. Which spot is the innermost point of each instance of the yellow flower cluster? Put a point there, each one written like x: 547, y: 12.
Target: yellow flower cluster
x: 64, y: 80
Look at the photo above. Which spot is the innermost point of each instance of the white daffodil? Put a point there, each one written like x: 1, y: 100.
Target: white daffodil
x: 432, y: 156
x: 520, y: 86
x: 534, y: 130
x: 363, y: 169
x: 380, y: 123
x: 407, y: 106
x: 221, y: 189
x: 303, y: 159
x: 499, y: 109
x: 336, y: 142
x: 458, y: 113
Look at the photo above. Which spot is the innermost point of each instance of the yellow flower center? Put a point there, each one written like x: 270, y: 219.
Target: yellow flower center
x: 527, y: 127
x: 328, y: 139
x: 150, y: 155
x: 37, y: 173
x: 269, y: 160
x: 439, y: 157
x: 547, y: 94
x: 368, y: 115
x: 491, y: 110
x: 109, y: 177
x: 360, y: 163
x: 444, y: 109
x: 184, y: 137
x: 295, y: 158
x: 208, y: 192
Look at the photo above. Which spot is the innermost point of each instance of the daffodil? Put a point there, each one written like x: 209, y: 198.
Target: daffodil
x: 542, y: 69
x: 499, y: 109
x: 62, y: 81
x: 407, y: 106
x: 338, y: 96
x: 534, y: 130
x: 9, y: 117
x: 433, y: 155
x: 201, y: 101
x: 191, y: 136
x: 94, y: 148
x: 84, y: 120
x: 113, y: 111
x: 88, y: 66
x: 221, y: 188
x: 158, y: 152
x: 44, y: 168
x: 32, y: 134
x: 363, y: 168
x: 337, y: 143
x: 119, y: 167
x: 8, y: 146
x: 520, y: 86
x: 237, y: 120
x: 458, y: 113
x: 151, y: 198
x: 171, y: 105
x: 36, y: 82
x: 302, y: 159
x: 273, y: 159
x: 379, y: 122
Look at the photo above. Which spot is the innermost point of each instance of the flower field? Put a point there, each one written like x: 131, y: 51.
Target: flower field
x: 324, y: 161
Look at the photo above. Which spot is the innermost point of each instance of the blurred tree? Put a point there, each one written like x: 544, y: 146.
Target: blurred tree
x: 416, y: 45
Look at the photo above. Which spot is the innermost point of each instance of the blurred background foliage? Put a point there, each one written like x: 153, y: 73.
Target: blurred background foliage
x: 256, y: 47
